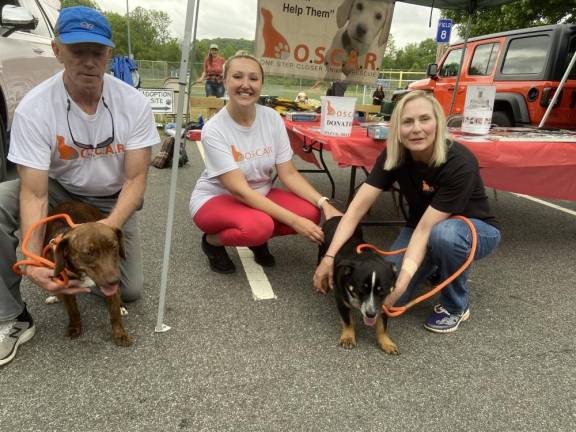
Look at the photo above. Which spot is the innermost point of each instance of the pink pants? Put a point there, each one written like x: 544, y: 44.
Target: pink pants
x: 240, y: 225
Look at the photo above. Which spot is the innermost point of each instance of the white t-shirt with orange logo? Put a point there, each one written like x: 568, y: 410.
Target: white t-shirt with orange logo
x: 40, y: 136
x: 255, y: 150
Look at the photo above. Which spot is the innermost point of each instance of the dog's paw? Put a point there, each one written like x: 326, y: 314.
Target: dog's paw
x: 51, y: 300
x: 347, y: 342
x: 122, y: 339
x: 73, y: 331
x: 389, y: 348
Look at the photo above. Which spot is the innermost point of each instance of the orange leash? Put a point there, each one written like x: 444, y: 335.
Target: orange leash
x: 395, y: 311
x: 42, y: 261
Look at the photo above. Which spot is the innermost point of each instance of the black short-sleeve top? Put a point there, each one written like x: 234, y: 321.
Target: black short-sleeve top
x: 455, y: 187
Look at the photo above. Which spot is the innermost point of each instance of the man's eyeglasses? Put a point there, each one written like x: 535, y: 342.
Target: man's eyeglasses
x: 104, y: 143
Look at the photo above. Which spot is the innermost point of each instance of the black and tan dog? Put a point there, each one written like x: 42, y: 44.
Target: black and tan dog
x: 361, y: 281
x: 92, y: 251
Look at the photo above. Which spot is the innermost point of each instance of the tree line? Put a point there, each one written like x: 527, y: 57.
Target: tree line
x: 151, y: 39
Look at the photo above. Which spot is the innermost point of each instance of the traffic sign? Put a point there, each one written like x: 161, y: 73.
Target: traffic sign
x: 444, y: 29
x: 161, y: 100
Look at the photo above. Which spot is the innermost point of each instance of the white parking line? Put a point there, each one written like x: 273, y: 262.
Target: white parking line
x: 546, y: 203
x: 261, y: 288
x: 201, y: 150
x: 259, y: 284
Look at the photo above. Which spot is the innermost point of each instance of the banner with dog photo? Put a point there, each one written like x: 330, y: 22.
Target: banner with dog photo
x: 323, y: 39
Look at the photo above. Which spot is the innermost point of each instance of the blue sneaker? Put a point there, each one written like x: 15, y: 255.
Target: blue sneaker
x: 442, y: 321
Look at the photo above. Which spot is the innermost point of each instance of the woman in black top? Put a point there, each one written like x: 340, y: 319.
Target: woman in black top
x: 439, y: 178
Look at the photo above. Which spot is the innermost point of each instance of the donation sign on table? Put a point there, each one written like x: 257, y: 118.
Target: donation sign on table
x: 337, y: 115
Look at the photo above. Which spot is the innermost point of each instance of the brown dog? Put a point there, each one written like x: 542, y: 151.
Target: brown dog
x: 91, y: 250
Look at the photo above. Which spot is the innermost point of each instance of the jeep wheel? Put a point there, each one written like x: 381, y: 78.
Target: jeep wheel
x: 502, y: 118
x: 3, y: 150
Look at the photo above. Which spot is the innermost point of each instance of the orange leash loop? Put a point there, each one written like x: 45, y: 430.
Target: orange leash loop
x: 41, y: 261
x: 395, y: 311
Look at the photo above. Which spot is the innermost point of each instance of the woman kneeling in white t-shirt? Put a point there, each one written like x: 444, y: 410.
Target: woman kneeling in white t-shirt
x: 233, y: 201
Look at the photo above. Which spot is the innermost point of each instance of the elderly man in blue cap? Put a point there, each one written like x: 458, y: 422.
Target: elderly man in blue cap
x: 81, y: 135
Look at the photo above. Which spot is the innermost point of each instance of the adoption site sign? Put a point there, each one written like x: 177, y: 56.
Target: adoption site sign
x: 161, y: 100
x: 323, y: 39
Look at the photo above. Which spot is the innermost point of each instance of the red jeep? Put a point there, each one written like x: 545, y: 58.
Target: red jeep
x: 526, y: 67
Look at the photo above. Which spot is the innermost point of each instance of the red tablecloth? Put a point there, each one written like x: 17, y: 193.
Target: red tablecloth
x: 357, y: 150
x: 546, y: 169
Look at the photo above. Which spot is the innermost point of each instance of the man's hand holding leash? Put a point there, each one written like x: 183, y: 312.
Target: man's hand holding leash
x: 42, y: 277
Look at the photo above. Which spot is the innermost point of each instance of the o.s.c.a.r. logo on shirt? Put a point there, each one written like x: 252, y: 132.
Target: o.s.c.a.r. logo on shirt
x: 67, y: 152
x: 251, y: 155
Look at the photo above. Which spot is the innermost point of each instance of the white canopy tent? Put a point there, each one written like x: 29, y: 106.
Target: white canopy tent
x: 469, y: 5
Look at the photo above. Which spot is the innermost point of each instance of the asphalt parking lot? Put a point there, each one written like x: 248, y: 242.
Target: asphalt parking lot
x: 231, y: 363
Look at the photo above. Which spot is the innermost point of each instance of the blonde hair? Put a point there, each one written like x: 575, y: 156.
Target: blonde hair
x: 395, y: 150
x: 239, y: 55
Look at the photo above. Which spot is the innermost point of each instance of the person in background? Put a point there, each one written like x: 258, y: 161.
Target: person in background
x: 72, y: 140
x: 213, y: 73
x: 438, y: 178
x: 336, y: 88
x: 233, y: 202
x: 378, y: 96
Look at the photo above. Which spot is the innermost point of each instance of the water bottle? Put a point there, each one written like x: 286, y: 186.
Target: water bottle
x: 200, y: 121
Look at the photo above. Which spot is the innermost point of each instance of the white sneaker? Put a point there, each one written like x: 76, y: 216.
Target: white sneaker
x: 13, y: 333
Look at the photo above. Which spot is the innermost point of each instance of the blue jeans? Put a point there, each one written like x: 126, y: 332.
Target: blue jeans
x: 448, y: 247
x: 214, y: 88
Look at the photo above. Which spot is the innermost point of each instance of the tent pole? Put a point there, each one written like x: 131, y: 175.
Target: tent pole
x: 194, y: 49
x: 160, y: 326
x: 468, y: 26
x: 557, y: 92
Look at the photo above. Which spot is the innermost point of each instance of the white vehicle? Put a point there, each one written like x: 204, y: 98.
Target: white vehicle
x: 26, y: 57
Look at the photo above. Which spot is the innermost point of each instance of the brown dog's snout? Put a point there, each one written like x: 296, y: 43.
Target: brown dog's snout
x: 111, y: 281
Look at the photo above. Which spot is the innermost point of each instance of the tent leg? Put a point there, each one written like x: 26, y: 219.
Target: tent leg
x: 194, y: 46
x: 160, y: 326
x: 455, y: 92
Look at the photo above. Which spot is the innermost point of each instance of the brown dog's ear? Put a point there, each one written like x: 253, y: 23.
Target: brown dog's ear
x: 60, y: 254
x: 121, y: 248
x: 386, y: 24
x: 343, y: 12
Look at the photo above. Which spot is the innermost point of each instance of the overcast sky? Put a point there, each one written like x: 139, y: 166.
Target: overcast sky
x: 237, y: 18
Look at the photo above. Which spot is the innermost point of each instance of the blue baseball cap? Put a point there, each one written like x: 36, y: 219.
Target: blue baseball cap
x: 80, y: 24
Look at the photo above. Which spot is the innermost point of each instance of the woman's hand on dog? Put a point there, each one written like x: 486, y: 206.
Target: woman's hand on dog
x: 42, y: 277
x: 323, y: 276
x: 308, y: 229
